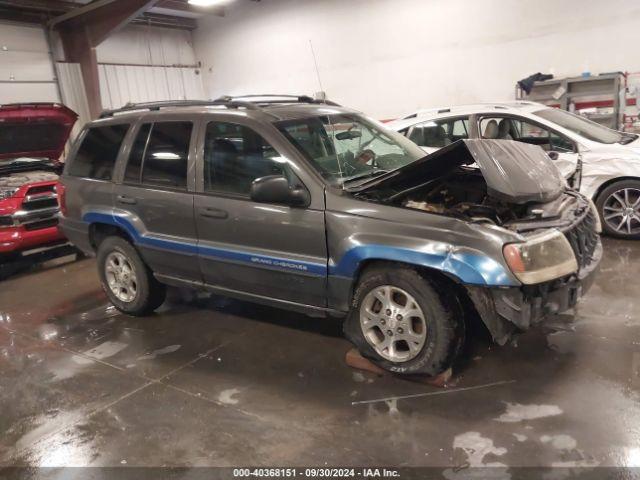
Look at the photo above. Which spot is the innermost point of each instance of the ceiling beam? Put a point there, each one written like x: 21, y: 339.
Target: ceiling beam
x: 13, y: 15
x: 184, y: 6
x: 102, y: 17
x: 83, y: 29
x: 166, y: 21
x: 53, y: 6
x: 43, y: 11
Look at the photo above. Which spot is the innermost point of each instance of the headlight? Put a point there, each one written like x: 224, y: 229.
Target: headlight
x: 541, y: 258
x: 7, y: 193
x: 597, y: 223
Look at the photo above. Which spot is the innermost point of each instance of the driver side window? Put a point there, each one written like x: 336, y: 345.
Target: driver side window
x: 235, y: 156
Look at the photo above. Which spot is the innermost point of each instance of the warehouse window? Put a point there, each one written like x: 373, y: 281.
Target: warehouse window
x: 165, y: 156
x: 235, y: 156
x: 98, y: 152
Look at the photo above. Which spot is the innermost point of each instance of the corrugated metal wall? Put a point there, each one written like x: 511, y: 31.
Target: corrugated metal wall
x: 121, y: 84
x: 73, y: 93
x: 27, y: 73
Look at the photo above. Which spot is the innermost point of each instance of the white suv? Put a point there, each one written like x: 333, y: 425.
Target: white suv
x: 603, y: 163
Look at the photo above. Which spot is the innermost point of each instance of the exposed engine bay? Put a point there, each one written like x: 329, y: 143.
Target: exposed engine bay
x: 504, y: 183
x: 16, y: 180
x: 463, y: 194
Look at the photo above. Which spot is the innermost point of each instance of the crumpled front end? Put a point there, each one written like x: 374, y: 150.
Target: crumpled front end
x: 507, y: 309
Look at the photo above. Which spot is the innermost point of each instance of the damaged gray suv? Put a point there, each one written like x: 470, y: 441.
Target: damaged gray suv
x: 305, y: 205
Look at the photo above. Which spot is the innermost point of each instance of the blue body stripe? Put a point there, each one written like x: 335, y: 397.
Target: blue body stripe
x: 469, y: 268
x: 196, y: 249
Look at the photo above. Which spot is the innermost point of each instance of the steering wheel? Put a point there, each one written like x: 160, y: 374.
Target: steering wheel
x: 366, y: 156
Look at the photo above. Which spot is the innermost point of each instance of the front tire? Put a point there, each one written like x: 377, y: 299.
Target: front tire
x: 619, y: 209
x: 126, y: 280
x: 399, y: 321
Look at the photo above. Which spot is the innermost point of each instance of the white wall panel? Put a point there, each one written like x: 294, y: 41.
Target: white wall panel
x: 25, y: 65
x: 22, y: 37
x: 141, y: 45
x: 121, y: 84
x: 389, y: 57
x: 28, y: 92
x: 24, y: 58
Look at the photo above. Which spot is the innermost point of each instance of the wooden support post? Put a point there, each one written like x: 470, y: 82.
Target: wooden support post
x: 83, y: 29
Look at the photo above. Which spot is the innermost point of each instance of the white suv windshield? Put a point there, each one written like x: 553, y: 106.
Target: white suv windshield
x: 583, y: 127
x: 345, y: 147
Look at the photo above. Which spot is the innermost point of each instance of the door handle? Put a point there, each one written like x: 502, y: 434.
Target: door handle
x: 127, y: 200
x: 214, y: 213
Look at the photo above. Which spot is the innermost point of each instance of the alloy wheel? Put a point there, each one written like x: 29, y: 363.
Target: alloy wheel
x: 393, y: 323
x: 121, y: 277
x: 621, y: 211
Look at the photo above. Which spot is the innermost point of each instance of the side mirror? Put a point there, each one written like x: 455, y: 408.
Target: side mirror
x: 553, y: 155
x: 276, y: 189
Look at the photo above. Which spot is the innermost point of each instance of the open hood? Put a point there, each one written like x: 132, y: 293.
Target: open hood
x: 35, y: 130
x: 514, y: 172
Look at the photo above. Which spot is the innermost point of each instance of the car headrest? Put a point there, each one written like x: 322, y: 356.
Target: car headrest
x: 504, y: 129
x: 491, y: 130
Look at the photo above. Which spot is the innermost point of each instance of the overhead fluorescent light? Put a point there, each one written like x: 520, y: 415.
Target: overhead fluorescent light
x: 206, y: 3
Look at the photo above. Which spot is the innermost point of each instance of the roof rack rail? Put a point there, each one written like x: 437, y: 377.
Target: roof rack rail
x: 270, y: 99
x: 154, y: 106
x: 252, y: 102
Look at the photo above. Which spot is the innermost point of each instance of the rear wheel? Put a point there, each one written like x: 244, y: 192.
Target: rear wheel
x: 400, y: 322
x: 619, y: 209
x: 125, y: 278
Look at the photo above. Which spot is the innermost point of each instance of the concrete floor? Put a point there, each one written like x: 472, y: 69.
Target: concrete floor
x: 210, y: 381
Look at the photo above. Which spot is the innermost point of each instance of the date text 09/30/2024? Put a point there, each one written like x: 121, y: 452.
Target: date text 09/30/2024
x: 315, y: 473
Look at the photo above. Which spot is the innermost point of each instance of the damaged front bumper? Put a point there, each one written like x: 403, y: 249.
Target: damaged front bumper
x: 505, y: 310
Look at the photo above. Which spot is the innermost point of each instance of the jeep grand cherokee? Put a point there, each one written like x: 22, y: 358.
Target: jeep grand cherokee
x: 309, y: 206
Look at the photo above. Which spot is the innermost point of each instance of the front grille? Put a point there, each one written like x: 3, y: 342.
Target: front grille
x: 38, y: 198
x: 41, y: 189
x: 40, y: 203
x: 583, y: 239
x: 39, y: 225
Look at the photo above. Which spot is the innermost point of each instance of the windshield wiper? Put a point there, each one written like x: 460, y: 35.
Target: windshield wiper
x: 370, y: 174
x: 628, y: 138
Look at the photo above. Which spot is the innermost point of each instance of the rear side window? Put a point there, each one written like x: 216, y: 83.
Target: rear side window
x: 98, y: 152
x: 159, y: 156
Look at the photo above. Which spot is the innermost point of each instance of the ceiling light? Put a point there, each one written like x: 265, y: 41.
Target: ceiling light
x: 165, y: 156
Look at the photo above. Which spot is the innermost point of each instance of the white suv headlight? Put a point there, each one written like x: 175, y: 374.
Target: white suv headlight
x: 541, y: 258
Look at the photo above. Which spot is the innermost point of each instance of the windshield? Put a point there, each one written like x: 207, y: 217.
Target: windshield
x: 583, y: 127
x: 346, y: 147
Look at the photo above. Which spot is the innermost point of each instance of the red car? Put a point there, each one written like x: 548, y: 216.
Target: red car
x: 32, y: 138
